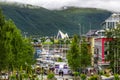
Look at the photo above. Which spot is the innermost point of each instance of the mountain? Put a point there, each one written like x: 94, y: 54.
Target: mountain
x: 44, y: 22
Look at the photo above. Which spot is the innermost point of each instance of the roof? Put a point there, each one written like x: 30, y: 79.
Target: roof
x: 61, y: 35
x: 115, y: 17
x: 91, y: 33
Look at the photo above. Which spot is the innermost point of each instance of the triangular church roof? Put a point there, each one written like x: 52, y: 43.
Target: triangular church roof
x: 61, y: 35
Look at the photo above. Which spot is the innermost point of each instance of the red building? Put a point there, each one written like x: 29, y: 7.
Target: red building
x: 101, y: 50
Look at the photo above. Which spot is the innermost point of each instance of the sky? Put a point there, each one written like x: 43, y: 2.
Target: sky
x: 112, y: 5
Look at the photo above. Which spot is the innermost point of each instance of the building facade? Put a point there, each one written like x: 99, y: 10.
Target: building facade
x: 112, y: 21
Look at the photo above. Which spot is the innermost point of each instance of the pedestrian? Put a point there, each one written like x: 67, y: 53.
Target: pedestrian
x: 59, y: 72
x: 62, y: 73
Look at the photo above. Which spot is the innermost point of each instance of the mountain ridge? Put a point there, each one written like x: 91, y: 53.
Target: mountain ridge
x: 37, y: 21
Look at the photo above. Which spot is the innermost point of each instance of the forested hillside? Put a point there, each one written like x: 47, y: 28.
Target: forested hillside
x: 43, y: 22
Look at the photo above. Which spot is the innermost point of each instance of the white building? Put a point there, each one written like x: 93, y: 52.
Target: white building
x: 112, y: 21
x: 61, y: 35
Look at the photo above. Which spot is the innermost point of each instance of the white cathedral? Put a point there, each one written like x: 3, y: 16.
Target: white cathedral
x: 61, y: 35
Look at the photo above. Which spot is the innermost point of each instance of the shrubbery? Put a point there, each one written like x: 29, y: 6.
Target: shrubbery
x: 13, y: 77
x: 107, y: 75
x: 83, y: 76
x: 50, y: 76
x: 76, y: 73
x: 94, y: 77
x: 116, y: 77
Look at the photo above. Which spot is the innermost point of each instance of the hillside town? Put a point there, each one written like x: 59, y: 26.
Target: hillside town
x: 49, y: 53
x: 94, y: 55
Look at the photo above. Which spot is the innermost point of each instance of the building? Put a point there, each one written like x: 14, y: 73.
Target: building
x: 97, y: 48
x: 91, y: 39
x: 61, y: 35
x: 97, y: 41
x: 112, y: 21
x: 101, y: 51
x: 101, y: 40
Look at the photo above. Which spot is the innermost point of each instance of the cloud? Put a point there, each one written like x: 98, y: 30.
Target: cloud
x: 112, y: 5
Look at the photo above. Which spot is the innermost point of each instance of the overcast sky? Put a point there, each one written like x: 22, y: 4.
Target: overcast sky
x: 113, y: 5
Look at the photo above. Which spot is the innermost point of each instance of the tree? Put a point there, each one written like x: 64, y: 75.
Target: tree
x: 113, y: 48
x: 78, y: 55
x: 74, y: 54
x: 4, y: 43
x: 85, y: 55
x: 15, y: 51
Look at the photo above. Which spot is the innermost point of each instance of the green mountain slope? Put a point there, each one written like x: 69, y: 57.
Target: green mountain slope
x: 87, y: 18
x: 43, y: 22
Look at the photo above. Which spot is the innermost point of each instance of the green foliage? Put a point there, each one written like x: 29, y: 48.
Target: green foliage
x: 101, y: 72
x: 15, y: 51
x: 116, y: 77
x: 94, y: 77
x: 47, y: 43
x: 2, y: 19
x: 5, y: 45
x: 83, y: 77
x: 73, y: 55
x: 85, y: 55
x: 113, y: 47
x: 61, y: 41
x: 76, y: 73
x: 25, y: 75
x: 13, y: 77
x: 60, y: 59
x: 67, y: 41
x: 107, y: 75
x: 45, y: 22
x: 78, y: 55
x: 43, y: 39
x: 50, y: 76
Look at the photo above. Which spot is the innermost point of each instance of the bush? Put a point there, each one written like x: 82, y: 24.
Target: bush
x: 50, y: 76
x: 76, y: 73
x: 116, y: 77
x: 60, y: 59
x: 13, y: 77
x: 25, y: 75
x: 34, y: 75
x: 101, y: 72
x: 107, y: 75
x: 83, y: 76
x: 95, y: 77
